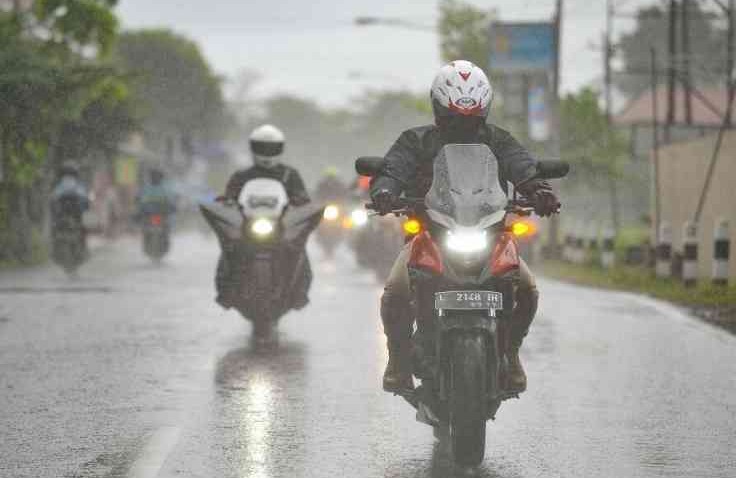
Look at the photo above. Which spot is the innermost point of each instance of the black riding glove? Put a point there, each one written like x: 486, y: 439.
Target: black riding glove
x: 541, y: 194
x: 384, y: 201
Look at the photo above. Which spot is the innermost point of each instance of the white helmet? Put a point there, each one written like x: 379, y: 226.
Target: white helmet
x: 461, y: 88
x: 267, y: 145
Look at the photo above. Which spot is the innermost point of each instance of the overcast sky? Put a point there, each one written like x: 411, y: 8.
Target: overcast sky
x: 311, y: 48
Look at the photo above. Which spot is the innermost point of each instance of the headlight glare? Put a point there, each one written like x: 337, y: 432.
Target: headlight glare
x: 359, y: 217
x: 467, y: 241
x: 262, y: 227
x: 332, y: 212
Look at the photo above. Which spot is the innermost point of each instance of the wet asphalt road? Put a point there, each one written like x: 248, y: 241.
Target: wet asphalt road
x: 132, y: 371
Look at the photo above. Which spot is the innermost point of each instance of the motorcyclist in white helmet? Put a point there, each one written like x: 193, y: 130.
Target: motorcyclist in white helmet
x: 461, y: 98
x: 267, y: 151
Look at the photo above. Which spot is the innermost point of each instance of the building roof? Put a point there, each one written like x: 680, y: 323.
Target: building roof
x: 639, y: 110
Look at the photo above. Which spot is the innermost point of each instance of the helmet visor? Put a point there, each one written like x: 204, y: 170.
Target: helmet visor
x: 266, y: 148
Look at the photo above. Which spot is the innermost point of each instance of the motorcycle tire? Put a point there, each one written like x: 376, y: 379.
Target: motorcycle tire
x: 467, y: 398
x: 264, y: 305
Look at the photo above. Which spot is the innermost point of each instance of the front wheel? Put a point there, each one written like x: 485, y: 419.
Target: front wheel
x: 468, y: 398
x: 264, y: 306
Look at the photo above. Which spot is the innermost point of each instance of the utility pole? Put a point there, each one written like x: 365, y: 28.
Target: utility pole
x: 607, y: 54
x: 686, y: 74
x: 671, y: 73
x: 655, y: 143
x: 730, y: 60
x: 553, y: 246
x: 608, y: 50
x: 727, y: 118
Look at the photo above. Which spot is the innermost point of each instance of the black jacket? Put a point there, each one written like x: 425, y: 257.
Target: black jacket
x: 288, y: 176
x: 409, y: 162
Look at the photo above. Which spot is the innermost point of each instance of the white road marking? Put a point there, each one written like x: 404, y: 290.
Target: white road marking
x: 154, y: 454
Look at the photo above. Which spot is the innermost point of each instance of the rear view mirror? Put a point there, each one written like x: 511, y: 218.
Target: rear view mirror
x: 552, y: 169
x: 369, y: 165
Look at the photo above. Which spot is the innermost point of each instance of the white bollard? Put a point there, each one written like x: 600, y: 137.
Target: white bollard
x: 592, y: 242
x: 567, y: 249
x: 721, y: 252
x: 663, y: 267
x: 579, y: 256
x: 608, y: 255
x: 690, y: 254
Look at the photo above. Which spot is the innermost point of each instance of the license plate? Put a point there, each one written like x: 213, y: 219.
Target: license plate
x: 468, y: 300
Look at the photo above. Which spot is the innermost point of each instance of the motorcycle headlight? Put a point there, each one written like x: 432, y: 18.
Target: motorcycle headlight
x: 331, y: 213
x: 262, y: 227
x: 359, y: 217
x: 467, y: 242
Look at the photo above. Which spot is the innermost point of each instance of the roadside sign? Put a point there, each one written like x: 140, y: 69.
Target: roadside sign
x: 522, y: 47
x: 538, y: 114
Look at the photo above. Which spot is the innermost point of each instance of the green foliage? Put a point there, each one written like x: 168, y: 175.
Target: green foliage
x: 173, y: 81
x: 463, y: 30
x: 74, y: 23
x: 596, y: 149
x: 54, y: 102
x: 707, y: 39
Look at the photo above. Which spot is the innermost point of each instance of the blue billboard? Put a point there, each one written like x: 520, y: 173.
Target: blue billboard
x: 517, y: 47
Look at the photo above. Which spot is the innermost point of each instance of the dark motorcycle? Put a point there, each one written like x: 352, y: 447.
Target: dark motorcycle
x: 68, y: 235
x: 156, y: 235
x: 69, y: 245
x: 463, y: 270
x: 263, y: 242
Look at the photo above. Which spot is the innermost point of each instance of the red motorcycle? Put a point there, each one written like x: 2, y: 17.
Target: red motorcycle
x: 463, y: 270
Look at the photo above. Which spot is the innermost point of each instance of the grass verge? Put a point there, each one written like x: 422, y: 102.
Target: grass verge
x: 712, y: 303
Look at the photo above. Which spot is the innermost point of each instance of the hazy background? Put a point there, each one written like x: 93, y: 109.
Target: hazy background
x: 312, y: 48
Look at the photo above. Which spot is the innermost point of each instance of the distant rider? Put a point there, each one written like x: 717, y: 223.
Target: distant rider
x: 155, y: 197
x: 330, y: 187
x: 69, y: 201
x: 267, y: 148
x: 461, y: 98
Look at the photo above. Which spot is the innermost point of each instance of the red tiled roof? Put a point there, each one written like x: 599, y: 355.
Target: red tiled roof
x: 639, y: 110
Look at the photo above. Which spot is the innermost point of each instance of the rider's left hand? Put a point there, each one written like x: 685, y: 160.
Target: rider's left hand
x: 545, y: 200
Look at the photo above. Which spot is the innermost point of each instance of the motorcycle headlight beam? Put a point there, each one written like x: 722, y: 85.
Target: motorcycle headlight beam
x: 262, y: 227
x: 359, y: 217
x: 467, y: 242
x: 332, y: 212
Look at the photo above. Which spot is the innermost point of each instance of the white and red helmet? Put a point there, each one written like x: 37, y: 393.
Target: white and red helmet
x: 461, y: 88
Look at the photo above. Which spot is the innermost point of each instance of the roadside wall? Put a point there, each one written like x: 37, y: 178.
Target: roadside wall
x: 683, y: 169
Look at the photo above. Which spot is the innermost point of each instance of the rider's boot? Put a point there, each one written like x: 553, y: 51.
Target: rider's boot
x: 526, y: 307
x: 397, y: 325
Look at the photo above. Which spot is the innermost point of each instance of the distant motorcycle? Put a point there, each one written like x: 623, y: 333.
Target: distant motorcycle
x: 463, y: 269
x: 263, y: 242
x: 377, y: 244
x: 156, y: 235
x: 331, y: 231
x: 69, y: 248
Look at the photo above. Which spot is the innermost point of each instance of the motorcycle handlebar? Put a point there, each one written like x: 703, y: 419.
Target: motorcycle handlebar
x: 408, y: 206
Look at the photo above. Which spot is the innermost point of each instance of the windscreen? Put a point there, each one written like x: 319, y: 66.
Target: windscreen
x: 465, y: 189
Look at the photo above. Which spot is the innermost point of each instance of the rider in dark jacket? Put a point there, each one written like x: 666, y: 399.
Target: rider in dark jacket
x: 267, y: 146
x: 461, y: 98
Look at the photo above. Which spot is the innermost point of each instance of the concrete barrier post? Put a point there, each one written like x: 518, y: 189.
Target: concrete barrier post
x: 592, y: 245
x: 690, y: 254
x: 567, y: 249
x: 579, y: 245
x: 663, y: 267
x: 721, y: 252
x: 608, y: 256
